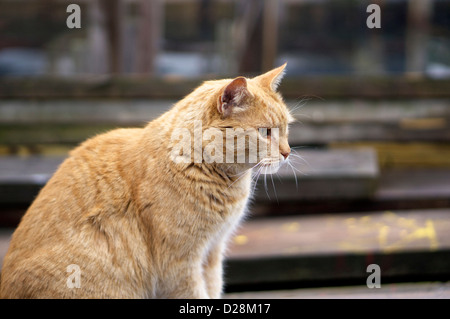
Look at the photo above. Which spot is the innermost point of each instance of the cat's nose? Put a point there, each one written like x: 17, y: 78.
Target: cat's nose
x: 285, y: 153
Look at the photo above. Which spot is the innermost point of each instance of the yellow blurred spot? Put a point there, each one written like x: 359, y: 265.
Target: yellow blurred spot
x: 291, y: 227
x: 434, y: 244
x: 389, y: 215
x: 382, y: 236
x: 4, y: 150
x: 407, y: 222
x: 427, y: 232
x: 423, y: 123
x: 240, y: 239
x: 365, y: 219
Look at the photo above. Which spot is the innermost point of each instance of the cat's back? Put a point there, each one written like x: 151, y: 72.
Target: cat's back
x: 75, y: 220
x: 95, y: 172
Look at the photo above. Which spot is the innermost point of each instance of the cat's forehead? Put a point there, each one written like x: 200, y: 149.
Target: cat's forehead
x: 273, y: 114
x: 273, y: 104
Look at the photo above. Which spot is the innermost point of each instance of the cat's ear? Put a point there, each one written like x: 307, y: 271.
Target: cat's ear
x: 272, y: 78
x: 233, y: 96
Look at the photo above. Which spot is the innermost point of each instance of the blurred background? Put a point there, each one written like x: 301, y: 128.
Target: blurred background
x: 224, y: 37
x: 370, y: 175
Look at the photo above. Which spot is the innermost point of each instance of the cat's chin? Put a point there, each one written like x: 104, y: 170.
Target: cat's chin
x: 270, y: 169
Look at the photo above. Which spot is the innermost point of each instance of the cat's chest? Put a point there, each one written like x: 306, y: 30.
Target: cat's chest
x: 231, y: 212
x: 225, y: 222
x: 231, y: 203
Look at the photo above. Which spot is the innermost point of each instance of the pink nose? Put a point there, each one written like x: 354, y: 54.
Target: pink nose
x: 285, y: 153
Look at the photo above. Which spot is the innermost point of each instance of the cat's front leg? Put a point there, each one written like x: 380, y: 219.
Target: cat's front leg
x: 213, y: 271
x: 188, y: 283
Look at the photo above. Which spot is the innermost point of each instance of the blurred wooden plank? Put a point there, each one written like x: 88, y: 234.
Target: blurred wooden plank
x: 5, y: 237
x: 300, y: 134
x: 414, y: 184
x: 322, y: 174
x: 325, y: 132
x: 316, y: 110
x: 419, y: 188
x: 21, y: 178
x: 38, y: 134
x: 25, y: 121
x: 111, y: 87
x: 407, y: 114
x: 414, y: 154
x: 396, y: 189
x: 295, y: 88
x: 34, y: 170
x: 391, y: 87
x: 332, y: 174
x: 421, y: 290
x: 339, y: 247
x: 45, y: 139
x: 116, y: 112
x: 386, y: 232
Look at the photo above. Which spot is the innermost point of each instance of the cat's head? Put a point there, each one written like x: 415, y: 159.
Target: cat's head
x: 236, y: 123
x: 254, y: 106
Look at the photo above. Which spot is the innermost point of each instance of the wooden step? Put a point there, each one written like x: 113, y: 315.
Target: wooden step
x: 396, y: 188
x: 21, y: 178
x: 414, y: 114
x: 320, y: 174
x: 340, y: 247
x: 62, y: 121
x: 122, y: 87
x: 416, y: 290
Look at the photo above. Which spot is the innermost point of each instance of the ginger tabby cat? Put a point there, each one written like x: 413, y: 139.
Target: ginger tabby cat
x: 136, y: 222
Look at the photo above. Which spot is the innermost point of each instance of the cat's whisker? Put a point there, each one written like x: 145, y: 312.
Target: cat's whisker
x: 257, y: 175
x: 279, y: 178
x: 274, y: 190
x: 259, y: 171
x: 242, y: 174
x: 265, y: 182
x: 298, y: 162
x: 297, y: 169
x: 294, y: 155
x: 300, y: 104
x: 297, y: 147
x: 295, y: 174
x: 297, y: 106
